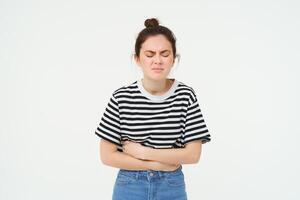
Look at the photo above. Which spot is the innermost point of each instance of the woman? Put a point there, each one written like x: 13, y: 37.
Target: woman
x: 152, y: 126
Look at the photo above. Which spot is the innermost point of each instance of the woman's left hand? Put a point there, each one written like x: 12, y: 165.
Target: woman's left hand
x: 135, y: 149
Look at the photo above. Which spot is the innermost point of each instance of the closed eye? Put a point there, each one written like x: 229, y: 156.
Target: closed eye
x: 164, y: 55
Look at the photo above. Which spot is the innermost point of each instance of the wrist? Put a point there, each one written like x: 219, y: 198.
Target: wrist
x: 146, y: 153
x: 151, y: 165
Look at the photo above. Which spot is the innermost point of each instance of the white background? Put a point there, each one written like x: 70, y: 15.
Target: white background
x: 61, y: 60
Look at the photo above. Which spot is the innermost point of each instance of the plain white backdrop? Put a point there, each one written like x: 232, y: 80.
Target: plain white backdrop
x: 61, y: 60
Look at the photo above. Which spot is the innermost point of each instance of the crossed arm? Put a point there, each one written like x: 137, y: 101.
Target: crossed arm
x: 138, y: 157
x: 188, y: 155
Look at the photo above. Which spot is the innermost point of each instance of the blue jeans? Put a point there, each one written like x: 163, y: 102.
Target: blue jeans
x: 149, y: 185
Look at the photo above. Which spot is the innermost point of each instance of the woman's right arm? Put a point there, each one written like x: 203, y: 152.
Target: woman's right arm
x: 109, y: 155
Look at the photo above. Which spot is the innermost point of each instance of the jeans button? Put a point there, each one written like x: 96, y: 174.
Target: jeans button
x: 151, y: 174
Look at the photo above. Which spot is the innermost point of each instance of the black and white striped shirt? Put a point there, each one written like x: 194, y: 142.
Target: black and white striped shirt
x: 170, y: 120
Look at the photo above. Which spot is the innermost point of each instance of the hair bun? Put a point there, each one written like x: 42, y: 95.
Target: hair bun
x: 151, y: 22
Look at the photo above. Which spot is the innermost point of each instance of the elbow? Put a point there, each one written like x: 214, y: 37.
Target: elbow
x: 106, y: 162
x: 195, y: 158
x: 107, y: 151
x: 104, y: 159
x: 194, y: 152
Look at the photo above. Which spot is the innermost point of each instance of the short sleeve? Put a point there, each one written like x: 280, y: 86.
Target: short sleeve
x: 195, y: 126
x: 109, y: 126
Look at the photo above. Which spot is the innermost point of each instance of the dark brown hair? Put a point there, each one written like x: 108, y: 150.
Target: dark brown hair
x: 153, y: 28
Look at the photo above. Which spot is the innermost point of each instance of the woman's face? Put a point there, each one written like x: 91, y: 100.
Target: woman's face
x: 156, y: 57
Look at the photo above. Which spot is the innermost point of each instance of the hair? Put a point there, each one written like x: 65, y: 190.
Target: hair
x: 153, y: 28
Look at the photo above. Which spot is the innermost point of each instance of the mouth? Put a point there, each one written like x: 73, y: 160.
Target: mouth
x: 157, y: 69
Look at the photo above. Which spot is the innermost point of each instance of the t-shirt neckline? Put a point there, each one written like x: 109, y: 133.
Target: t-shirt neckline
x: 157, y: 97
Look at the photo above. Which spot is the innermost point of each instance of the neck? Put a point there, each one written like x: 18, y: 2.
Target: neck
x: 157, y: 87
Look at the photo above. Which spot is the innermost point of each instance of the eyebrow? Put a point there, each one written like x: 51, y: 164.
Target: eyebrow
x: 154, y: 51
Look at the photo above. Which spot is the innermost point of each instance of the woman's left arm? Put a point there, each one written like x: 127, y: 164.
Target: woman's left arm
x: 190, y: 154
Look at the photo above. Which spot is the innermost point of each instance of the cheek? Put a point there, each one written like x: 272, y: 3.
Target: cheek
x: 147, y: 61
x: 168, y: 60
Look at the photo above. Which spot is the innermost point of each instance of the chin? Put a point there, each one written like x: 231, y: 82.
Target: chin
x: 159, y: 78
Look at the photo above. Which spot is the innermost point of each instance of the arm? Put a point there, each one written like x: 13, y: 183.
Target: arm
x: 188, y: 155
x: 110, y: 156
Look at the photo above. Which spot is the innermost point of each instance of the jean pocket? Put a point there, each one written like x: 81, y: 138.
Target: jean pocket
x: 175, y: 179
x: 123, y: 179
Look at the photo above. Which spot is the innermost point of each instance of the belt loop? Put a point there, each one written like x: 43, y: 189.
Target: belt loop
x: 180, y: 167
x: 137, y: 175
x: 160, y: 174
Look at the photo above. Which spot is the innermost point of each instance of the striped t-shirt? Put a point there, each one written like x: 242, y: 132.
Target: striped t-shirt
x: 170, y: 120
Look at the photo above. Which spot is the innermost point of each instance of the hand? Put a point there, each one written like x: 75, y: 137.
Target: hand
x: 135, y: 149
x: 159, y: 166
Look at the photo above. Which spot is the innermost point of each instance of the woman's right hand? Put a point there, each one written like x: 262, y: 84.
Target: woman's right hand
x: 159, y: 166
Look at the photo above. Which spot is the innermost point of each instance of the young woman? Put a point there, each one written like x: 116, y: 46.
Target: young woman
x: 152, y: 126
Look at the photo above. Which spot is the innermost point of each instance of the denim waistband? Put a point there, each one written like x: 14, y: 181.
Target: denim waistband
x: 146, y: 173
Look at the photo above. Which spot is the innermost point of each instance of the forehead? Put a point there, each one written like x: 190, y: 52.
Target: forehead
x: 156, y: 43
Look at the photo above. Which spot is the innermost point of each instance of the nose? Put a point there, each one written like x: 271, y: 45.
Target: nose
x: 157, y: 59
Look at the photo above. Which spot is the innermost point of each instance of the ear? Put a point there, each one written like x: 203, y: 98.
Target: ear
x: 174, y: 58
x: 173, y: 62
x: 137, y: 60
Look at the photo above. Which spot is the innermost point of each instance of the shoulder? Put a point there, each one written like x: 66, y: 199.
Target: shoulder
x: 126, y: 88
x: 187, y: 89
